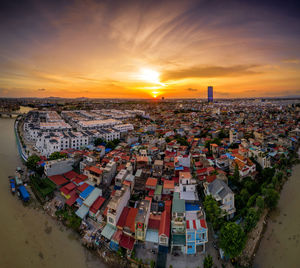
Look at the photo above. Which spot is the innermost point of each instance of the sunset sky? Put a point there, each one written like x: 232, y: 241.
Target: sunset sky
x: 145, y: 49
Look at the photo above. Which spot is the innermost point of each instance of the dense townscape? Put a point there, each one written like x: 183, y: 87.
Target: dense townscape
x: 162, y: 182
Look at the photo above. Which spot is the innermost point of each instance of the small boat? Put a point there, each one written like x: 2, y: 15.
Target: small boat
x: 12, y: 186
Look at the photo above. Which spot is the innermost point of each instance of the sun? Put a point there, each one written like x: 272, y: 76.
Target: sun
x: 155, y: 94
x: 149, y: 75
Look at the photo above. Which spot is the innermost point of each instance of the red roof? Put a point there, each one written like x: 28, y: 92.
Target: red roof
x: 97, y: 204
x: 164, y: 227
x: 71, y: 175
x: 82, y: 187
x: 126, y: 241
x: 58, y: 179
x: 105, y: 211
x: 202, y: 171
x: 151, y: 193
x: 151, y: 182
x: 72, y: 199
x: 154, y: 222
x: 82, y: 177
x: 211, y: 178
x: 96, y: 170
x: 203, y: 223
x: 67, y: 188
x: 123, y: 217
x: 70, y: 186
x: 130, y: 220
x: 169, y: 184
x: 117, y: 236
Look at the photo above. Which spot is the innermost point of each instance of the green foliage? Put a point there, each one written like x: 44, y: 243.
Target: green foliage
x: 222, y: 134
x: 232, y: 239
x: 213, y: 211
x: 251, y: 186
x: 152, y: 263
x: 98, y: 141
x: 181, y: 140
x: 234, y: 146
x: 44, y: 187
x: 267, y: 174
x: 251, y: 219
x: 69, y: 217
x: 168, y: 139
x: 251, y: 201
x: 208, y: 262
x: 112, y: 144
x: 260, y: 203
x: 271, y: 197
x: 244, y: 196
x: 32, y: 162
x: 57, y: 155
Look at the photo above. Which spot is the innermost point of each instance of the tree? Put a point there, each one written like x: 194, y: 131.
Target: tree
x: 98, y: 141
x: 57, y: 155
x: 232, y: 239
x: 213, y: 211
x: 251, y: 219
x: 32, y: 162
x: 208, y: 261
x: 236, y: 175
x: 271, y: 198
x: 260, y: 203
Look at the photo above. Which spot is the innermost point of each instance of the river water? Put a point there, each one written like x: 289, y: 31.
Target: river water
x: 280, y: 246
x: 28, y: 237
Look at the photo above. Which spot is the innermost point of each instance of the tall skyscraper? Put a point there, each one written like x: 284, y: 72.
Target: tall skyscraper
x: 210, y: 94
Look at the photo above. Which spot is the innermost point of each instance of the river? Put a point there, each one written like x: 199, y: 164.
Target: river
x: 28, y: 237
x: 280, y: 245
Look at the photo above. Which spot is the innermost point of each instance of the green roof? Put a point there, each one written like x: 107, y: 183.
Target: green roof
x: 178, y: 239
x: 158, y: 189
x: 176, y: 195
x: 178, y: 205
x: 108, y: 231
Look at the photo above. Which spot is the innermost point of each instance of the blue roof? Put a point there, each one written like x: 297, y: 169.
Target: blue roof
x: 82, y: 211
x: 191, y: 207
x: 152, y: 236
x: 272, y: 154
x: 179, y: 168
x: 87, y: 192
x: 229, y: 156
x: 79, y: 201
x: 23, y: 192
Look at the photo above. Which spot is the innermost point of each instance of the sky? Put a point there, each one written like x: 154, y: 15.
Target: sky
x: 146, y: 49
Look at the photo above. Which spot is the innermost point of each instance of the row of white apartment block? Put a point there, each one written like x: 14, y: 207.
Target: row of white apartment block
x: 47, y: 143
x: 96, y: 124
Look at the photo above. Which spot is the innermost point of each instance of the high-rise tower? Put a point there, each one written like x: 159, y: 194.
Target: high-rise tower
x: 210, y: 94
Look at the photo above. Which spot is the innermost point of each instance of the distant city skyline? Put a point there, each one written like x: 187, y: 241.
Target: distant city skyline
x: 149, y: 49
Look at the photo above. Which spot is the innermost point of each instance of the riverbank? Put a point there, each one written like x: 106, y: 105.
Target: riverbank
x: 280, y: 244
x: 29, y: 237
x: 255, y: 237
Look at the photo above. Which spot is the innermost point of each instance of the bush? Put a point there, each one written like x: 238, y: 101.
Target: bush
x: 208, y: 262
x: 251, y: 220
x: 232, y: 239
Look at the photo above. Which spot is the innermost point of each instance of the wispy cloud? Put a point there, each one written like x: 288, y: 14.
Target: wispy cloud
x: 209, y: 71
x: 192, y: 89
x: 293, y: 61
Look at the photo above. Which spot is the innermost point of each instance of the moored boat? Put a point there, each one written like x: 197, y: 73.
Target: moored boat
x: 12, y: 186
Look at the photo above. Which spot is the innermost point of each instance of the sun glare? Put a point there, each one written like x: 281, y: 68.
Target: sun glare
x: 150, y: 75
